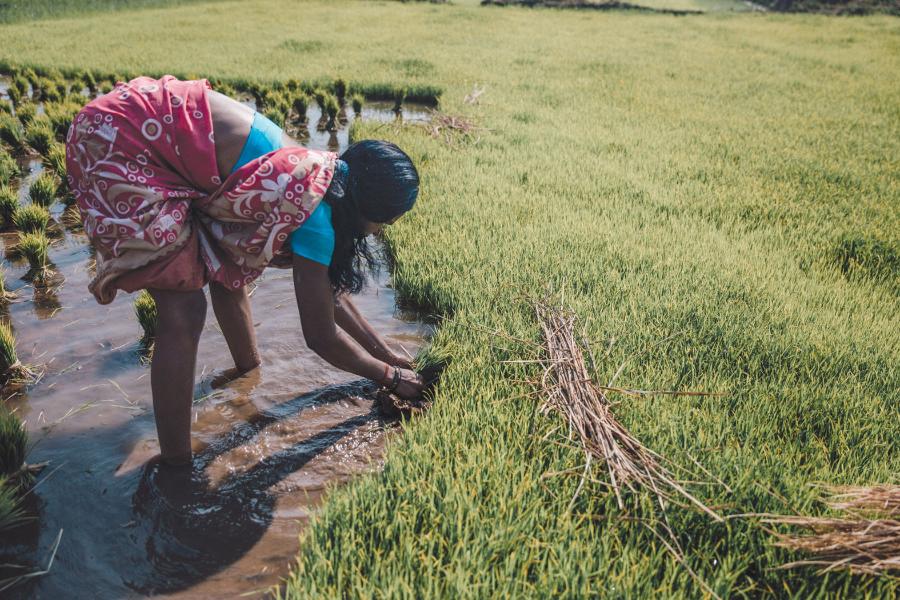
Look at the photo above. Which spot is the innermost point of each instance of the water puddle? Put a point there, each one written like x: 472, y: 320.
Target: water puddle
x: 267, y: 445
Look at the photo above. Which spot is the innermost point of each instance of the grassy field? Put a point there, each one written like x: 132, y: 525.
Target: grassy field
x: 729, y: 180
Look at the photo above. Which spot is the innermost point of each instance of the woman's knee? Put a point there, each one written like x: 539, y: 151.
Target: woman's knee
x: 180, y: 312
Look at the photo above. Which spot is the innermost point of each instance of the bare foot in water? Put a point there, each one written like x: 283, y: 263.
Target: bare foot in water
x: 232, y: 374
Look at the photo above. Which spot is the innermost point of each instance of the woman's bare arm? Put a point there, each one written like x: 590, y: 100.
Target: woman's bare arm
x: 315, y: 300
x: 348, y: 318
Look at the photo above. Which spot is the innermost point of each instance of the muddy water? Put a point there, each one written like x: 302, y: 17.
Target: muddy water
x: 267, y: 445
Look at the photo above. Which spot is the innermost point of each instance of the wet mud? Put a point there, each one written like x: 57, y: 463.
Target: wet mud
x: 268, y: 445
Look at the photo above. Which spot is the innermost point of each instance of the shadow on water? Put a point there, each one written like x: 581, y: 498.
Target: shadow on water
x: 193, y: 527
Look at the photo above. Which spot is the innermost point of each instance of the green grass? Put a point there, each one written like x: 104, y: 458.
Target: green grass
x: 703, y: 178
x: 39, y: 135
x: 9, y: 204
x: 12, y: 11
x: 8, y: 167
x: 31, y: 218
x: 44, y: 189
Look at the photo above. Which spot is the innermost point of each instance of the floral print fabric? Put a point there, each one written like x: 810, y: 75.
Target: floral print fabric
x: 141, y: 164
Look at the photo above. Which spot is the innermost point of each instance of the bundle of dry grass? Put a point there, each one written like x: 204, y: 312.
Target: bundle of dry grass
x: 452, y: 128
x: 867, y: 541
x: 570, y: 391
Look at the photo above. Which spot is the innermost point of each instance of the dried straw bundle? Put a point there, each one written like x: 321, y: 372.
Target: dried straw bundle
x: 571, y: 392
x: 866, y: 542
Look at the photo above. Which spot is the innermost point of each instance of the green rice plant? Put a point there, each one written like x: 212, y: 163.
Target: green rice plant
x: 340, y: 90
x: 399, y: 97
x: 26, y: 112
x: 35, y: 248
x: 9, y: 203
x: 5, y: 295
x: 300, y: 106
x: 39, y: 134
x: 55, y: 160
x: 21, y: 84
x: 11, y: 371
x: 320, y: 95
x: 9, y: 168
x: 147, y: 316
x: 61, y: 115
x: 356, y: 101
x: 277, y: 115
x: 105, y: 87
x: 11, y: 131
x: 88, y: 80
x: 15, y: 96
x: 42, y: 87
x: 13, y: 438
x: 331, y: 110
x: 31, y: 218
x: 11, y: 512
x: 6, y: 107
x: 44, y: 189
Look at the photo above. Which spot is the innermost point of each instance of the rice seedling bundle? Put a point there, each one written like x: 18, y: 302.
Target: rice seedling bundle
x: 319, y: 94
x: 20, y: 83
x: 55, y: 160
x: 866, y: 540
x: 39, y: 134
x: 15, y: 96
x: 4, y: 294
x: 9, y: 203
x: 13, y: 441
x: 31, y: 218
x: 276, y: 115
x: 26, y: 111
x: 300, y: 105
x: 6, y: 107
x: 356, y: 101
x: 9, y: 168
x: 331, y: 109
x: 105, y: 87
x: 340, y: 90
x: 35, y: 248
x: 87, y: 78
x: 11, y: 512
x: 44, y: 189
x: 61, y: 115
x: 11, y: 131
x: 11, y: 370
x: 399, y: 97
x: 147, y: 316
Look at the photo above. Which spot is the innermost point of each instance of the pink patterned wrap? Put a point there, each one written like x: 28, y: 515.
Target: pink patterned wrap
x: 141, y: 164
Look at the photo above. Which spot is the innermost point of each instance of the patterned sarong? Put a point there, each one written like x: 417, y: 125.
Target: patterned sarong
x: 141, y: 164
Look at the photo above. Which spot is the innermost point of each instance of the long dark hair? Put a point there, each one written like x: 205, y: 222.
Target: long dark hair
x: 374, y: 180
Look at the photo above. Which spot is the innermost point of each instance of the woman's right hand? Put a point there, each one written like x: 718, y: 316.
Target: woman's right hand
x: 411, y: 385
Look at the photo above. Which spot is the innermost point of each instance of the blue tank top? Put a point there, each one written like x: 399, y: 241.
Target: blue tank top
x: 314, y: 239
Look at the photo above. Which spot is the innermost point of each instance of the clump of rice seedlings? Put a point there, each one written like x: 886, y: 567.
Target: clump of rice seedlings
x: 44, y: 189
x: 331, y: 109
x: 9, y: 203
x: 9, y: 168
x: 31, y: 218
x: 13, y: 446
x: 63, y: 87
x: 15, y: 96
x: 26, y: 111
x: 20, y: 83
x: 55, y: 160
x: 11, y: 513
x: 39, y: 134
x: 319, y: 94
x: 300, y: 105
x: 340, y: 90
x: 279, y: 102
x: 356, y: 101
x: 90, y: 82
x: 5, y: 295
x: 105, y: 87
x: 145, y: 310
x: 61, y: 115
x: 6, y: 107
x: 11, y: 370
x: 399, y: 97
x: 11, y: 131
x: 35, y: 247
x: 276, y: 115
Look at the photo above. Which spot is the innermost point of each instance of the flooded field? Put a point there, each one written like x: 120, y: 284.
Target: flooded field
x: 267, y: 445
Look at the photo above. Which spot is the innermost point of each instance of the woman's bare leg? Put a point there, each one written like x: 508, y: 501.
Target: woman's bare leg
x: 181, y: 319
x: 232, y: 309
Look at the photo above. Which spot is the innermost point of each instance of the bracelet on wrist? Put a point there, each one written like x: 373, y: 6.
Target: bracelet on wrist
x: 395, y: 381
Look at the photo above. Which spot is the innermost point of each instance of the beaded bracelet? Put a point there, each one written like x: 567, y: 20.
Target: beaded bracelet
x: 395, y: 380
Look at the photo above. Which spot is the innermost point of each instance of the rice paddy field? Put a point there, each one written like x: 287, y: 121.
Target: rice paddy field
x: 715, y: 196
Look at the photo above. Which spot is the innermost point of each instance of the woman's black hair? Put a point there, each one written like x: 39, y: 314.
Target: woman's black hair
x: 377, y: 182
